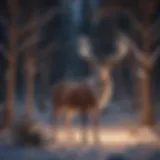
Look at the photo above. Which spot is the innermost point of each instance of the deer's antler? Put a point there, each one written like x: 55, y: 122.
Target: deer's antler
x: 86, y: 50
x: 122, y: 47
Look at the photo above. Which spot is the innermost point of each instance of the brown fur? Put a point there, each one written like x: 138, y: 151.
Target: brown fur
x: 74, y: 95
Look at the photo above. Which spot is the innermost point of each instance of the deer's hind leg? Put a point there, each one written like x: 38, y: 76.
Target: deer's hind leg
x: 84, y: 117
x: 55, y: 116
x: 96, y: 117
x: 67, y: 123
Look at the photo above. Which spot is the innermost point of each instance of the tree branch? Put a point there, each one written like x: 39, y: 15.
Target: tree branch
x: 29, y: 42
x: 148, y: 60
x: 31, y: 25
x: 40, y: 21
x: 140, y: 56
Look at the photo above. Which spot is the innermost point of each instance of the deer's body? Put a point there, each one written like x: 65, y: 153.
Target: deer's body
x: 83, y: 95
x: 74, y: 96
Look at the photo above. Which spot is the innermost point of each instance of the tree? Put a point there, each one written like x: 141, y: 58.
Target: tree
x: 35, y: 58
x: 29, y: 50
x: 30, y: 70
x: 11, y: 68
x: 146, y: 57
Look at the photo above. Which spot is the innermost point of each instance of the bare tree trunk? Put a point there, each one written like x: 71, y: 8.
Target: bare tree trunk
x: 135, y: 86
x: 29, y: 67
x: 30, y: 56
x: 9, y: 91
x: 11, y: 69
x: 147, y: 111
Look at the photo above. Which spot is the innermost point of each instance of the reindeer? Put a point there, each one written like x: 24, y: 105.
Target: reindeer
x: 90, y: 94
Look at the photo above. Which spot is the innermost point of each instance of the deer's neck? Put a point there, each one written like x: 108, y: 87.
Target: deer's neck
x: 105, y: 93
x: 101, y: 89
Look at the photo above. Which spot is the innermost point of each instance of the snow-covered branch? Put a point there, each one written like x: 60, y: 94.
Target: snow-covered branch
x: 140, y: 55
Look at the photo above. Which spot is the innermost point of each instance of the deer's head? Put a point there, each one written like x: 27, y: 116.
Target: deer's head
x: 102, y: 67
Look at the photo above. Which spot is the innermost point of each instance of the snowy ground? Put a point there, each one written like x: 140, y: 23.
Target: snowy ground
x: 116, y: 122
x: 136, y: 152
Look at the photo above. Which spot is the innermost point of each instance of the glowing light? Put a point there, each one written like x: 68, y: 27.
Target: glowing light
x: 106, y: 136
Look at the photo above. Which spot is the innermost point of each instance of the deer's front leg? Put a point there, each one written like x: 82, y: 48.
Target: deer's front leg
x: 55, y: 123
x: 67, y: 124
x: 96, y: 125
x: 84, y: 117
